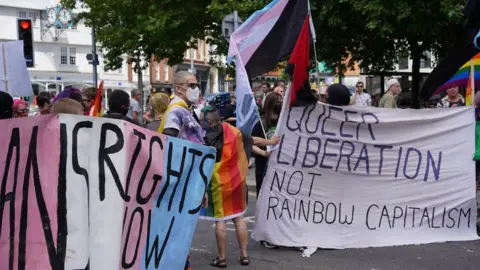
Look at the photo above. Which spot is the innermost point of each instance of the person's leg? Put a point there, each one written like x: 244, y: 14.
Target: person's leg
x: 258, y: 182
x: 221, y: 236
x: 242, y: 235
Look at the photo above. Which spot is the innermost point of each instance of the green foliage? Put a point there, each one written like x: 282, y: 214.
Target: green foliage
x: 377, y: 33
x: 145, y: 28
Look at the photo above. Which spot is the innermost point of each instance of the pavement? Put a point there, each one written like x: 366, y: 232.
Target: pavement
x: 444, y: 256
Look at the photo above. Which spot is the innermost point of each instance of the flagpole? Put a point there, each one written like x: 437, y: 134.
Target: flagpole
x: 472, y: 77
x: 314, y: 37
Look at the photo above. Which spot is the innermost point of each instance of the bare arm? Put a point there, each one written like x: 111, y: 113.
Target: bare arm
x: 259, y: 151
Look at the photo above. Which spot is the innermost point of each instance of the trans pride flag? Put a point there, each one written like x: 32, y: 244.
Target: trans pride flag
x: 266, y: 36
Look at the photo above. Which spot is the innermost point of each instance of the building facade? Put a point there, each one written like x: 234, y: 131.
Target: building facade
x: 210, y: 78
x: 60, y: 47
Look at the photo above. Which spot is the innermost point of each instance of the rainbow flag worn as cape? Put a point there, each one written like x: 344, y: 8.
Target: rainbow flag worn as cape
x: 227, y: 193
x: 462, y: 76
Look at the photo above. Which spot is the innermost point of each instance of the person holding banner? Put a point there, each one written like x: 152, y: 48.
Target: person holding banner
x: 180, y: 121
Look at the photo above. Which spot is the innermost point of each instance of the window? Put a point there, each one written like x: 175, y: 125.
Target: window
x: 33, y: 16
x: 22, y: 14
x: 157, y: 72
x: 165, y: 71
x: 68, y: 56
x: 200, y: 50
x: 73, y: 56
x: 63, y: 55
x: 426, y: 61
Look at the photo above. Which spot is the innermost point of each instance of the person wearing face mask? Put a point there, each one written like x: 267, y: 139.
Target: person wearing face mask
x: 229, y: 183
x: 119, y: 104
x: 179, y: 120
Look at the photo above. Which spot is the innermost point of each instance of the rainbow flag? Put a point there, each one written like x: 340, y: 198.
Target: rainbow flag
x: 469, y: 91
x: 227, y: 193
x: 96, y: 109
x: 462, y: 76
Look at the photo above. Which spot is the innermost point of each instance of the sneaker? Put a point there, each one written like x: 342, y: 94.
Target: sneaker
x: 268, y: 245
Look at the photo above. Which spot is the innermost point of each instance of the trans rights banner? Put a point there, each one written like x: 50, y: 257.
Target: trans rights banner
x: 347, y: 177
x: 80, y: 192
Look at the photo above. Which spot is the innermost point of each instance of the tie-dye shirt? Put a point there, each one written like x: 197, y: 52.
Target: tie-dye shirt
x: 182, y: 119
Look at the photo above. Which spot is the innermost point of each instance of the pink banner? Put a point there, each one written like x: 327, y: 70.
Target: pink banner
x: 145, y: 157
x: 28, y: 215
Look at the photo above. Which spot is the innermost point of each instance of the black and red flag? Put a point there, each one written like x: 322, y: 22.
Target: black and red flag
x: 297, y: 68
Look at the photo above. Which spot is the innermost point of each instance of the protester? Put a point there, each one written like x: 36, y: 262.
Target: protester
x: 43, y: 102
x: 72, y: 93
x: 228, y: 180
x: 389, y: 99
x: 338, y: 95
x: 20, y: 108
x: 67, y: 105
x: 404, y: 100
x: 452, y: 99
x: 376, y: 97
x: 159, y: 103
x: 359, y: 97
x: 268, y: 123
x: 6, y: 105
x: 135, y: 108
x: 231, y: 110
x: 118, y: 106
x: 323, y: 95
x: 88, y: 98
x: 179, y: 120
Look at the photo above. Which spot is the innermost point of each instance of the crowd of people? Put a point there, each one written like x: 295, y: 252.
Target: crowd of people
x: 175, y: 115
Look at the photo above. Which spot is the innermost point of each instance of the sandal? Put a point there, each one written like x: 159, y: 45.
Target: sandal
x: 244, y: 261
x: 219, y: 263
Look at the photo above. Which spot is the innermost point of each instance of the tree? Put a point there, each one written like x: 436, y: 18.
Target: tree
x: 145, y: 28
x: 377, y: 33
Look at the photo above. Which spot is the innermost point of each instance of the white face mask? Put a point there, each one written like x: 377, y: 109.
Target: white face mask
x: 193, y: 94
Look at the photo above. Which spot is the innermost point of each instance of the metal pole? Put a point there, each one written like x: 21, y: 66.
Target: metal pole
x: 94, y: 56
x: 235, y: 20
x: 140, y: 88
x: 192, y: 64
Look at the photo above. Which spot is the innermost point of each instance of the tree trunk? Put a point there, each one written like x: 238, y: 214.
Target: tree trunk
x: 416, y: 55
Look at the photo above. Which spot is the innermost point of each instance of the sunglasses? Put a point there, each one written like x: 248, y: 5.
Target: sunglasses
x: 191, y: 85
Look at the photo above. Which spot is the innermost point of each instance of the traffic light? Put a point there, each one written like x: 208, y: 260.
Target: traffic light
x: 25, y: 33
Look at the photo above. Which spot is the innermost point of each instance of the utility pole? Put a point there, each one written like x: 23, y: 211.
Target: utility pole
x: 140, y: 85
x: 95, y: 58
x: 192, y: 64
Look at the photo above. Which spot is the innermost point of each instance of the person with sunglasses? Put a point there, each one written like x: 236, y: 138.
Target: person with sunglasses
x: 119, y: 105
x: 179, y: 119
x: 360, y: 98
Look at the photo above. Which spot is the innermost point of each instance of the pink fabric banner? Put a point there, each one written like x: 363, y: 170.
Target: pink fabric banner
x: 28, y: 215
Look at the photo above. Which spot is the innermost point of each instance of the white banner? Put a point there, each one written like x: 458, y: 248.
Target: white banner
x: 346, y: 177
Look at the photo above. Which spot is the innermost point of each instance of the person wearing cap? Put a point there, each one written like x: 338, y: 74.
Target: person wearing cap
x: 389, y: 99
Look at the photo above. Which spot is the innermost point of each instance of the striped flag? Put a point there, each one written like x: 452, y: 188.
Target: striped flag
x: 96, y: 108
x: 257, y: 45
